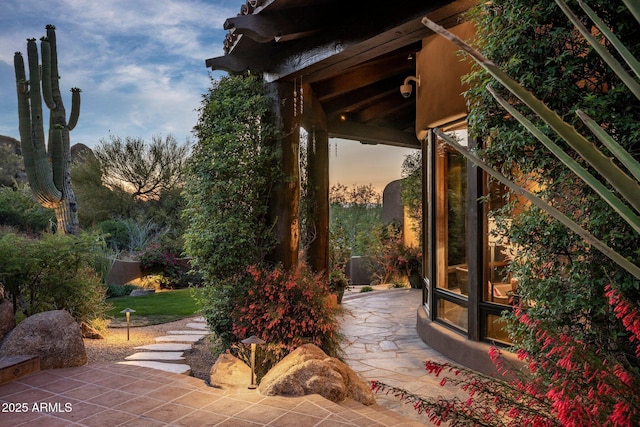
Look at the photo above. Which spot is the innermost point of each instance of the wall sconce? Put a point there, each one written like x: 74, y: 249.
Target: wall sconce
x: 254, y: 341
x: 406, y: 89
x: 128, y: 312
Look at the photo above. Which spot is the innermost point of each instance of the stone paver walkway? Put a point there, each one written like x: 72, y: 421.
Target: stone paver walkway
x: 170, y: 349
x: 381, y: 344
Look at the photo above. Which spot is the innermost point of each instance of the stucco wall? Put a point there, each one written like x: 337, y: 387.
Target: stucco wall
x: 440, y: 67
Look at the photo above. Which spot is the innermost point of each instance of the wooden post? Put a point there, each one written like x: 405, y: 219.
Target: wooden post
x: 315, y: 123
x: 286, y: 197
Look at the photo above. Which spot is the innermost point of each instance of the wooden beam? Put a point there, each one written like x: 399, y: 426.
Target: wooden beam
x: 285, y: 25
x: 364, y: 75
x: 315, y: 122
x: 372, y: 134
x: 316, y: 64
x: 384, y: 107
x: 326, y: 60
x: 361, y: 97
x: 284, y: 204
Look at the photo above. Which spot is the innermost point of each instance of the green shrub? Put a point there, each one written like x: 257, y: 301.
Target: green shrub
x: 19, y: 209
x: 366, y: 289
x: 53, y: 273
x: 114, y: 291
x: 116, y: 234
x: 229, y: 182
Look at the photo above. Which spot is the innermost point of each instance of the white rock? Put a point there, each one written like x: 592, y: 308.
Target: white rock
x: 165, y: 347
x: 199, y: 325
x: 179, y: 338
x: 191, y: 332
x: 156, y: 355
x: 176, y: 368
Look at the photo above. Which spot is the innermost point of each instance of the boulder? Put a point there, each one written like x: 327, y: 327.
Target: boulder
x: 53, y: 335
x: 7, y: 318
x: 308, y: 370
x: 90, y: 332
x: 229, y: 372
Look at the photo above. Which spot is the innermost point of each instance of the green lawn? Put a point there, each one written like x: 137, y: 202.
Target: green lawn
x: 159, y: 307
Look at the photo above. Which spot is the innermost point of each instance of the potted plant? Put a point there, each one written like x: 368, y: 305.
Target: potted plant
x: 409, y: 263
x: 338, y: 283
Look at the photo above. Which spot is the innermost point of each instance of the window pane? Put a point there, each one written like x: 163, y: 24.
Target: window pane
x: 499, y: 286
x: 453, y: 313
x: 495, y: 328
x: 451, y: 220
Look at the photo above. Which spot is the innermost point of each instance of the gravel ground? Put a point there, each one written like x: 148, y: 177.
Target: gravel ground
x: 115, y: 346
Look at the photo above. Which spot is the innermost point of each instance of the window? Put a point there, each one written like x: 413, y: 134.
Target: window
x: 499, y: 287
x: 451, y: 234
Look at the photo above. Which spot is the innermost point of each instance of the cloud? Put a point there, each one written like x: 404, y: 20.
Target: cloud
x: 139, y: 64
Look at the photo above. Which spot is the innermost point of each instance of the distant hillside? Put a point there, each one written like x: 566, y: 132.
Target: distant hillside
x: 13, y: 167
x: 11, y: 142
x: 77, y: 150
x: 11, y: 164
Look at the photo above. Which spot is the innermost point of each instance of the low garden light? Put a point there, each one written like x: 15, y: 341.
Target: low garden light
x: 128, y: 312
x: 254, y: 341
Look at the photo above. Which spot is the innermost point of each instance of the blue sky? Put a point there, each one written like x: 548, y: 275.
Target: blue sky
x: 140, y: 65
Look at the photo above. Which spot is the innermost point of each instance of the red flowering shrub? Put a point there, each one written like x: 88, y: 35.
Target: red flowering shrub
x: 570, y: 383
x: 286, y: 309
x: 162, y: 259
x: 395, y: 260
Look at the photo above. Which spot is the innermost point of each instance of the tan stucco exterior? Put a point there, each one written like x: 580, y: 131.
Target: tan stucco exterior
x: 440, y: 67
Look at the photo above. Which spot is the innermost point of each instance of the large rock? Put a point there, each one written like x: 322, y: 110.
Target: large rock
x: 53, y: 335
x: 229, y: 372
x: 7, y: 318
x: 308, y: 370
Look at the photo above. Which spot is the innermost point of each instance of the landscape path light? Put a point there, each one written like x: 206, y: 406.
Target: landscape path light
x: 128, y: 312
x: 254, y: 341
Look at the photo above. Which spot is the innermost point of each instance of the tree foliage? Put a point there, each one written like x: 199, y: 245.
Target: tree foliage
x: 355, y: 220
x: 556, y: 269
x: 107, y: 199
x: 411, y: 186
x: 145, y: 170
x: 229, y: 184
x: 99, y: 202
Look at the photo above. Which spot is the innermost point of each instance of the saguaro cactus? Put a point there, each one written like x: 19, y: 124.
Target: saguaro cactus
x: 48, y: 168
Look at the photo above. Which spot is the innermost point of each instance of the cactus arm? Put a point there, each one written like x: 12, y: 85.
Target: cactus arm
x: 75, y: 108
x: 45, y: 52
x: 35, y: 101
x: 58, y: 114
x: 56, y: 152
x: 24, y: 112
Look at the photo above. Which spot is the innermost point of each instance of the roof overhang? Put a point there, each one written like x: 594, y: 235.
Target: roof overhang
x: 354, y: 57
